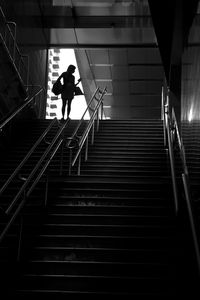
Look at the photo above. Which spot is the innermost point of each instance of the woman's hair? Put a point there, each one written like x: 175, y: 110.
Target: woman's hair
x: 71, y: 68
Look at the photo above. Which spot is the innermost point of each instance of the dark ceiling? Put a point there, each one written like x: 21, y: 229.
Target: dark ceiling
x: 115, y: 42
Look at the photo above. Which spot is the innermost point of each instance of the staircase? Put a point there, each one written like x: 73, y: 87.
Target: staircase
x: 111, y: 231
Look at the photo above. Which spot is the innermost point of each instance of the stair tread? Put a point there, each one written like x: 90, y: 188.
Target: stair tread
x: 91, y: 294
x: 132, y: 225
x: 109, y: 225
x: 106, y: 236
x: 96, y: 262
x: 92, y: 276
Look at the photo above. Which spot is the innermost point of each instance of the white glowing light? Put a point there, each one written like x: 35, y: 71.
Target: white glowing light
x: 190, y: 115
x: 78, y: 106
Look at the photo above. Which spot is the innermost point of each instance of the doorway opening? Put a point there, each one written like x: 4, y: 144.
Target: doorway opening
x: 59, y: 60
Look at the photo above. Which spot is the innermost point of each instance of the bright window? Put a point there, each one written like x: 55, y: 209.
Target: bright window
x: 63, y: 58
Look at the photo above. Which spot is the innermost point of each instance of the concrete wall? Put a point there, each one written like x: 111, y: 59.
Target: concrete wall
x: 190, y: 99
x: 35, y: 61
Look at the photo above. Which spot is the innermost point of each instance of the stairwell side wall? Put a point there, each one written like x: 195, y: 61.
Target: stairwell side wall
x: 37, y: 52
x: 190, y: 95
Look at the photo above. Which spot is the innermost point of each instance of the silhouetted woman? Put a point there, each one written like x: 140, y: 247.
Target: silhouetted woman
x: 67, y: 94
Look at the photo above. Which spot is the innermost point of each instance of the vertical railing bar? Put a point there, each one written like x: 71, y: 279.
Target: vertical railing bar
x: 79, y: 164
x: 70, y: 161
x: 46, y: 190
x: 81, y: 120
x: 61, y: 158
x: 101, y: 111
x: 87, y: 131
x: 86, y: 149
x: 92, y: 140
x: 28, y: 66
x: 98, y: 119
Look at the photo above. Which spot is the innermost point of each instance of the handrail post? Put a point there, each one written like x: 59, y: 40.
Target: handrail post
x: 92, y: 140
x: 28, y: 66
x: 98, y: 120
x: 70, y: 161
x: 79, y: 165
x: 91, y: 126
x: 61, y: 158
x: 86, y: 149
x: 46, y: 190
x: 101, y: 111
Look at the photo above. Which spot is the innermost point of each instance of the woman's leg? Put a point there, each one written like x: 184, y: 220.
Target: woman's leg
x: 64, y: 101
x: 69, y: 106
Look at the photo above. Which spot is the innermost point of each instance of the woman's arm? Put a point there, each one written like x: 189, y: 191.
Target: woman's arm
x: 78, y: 81
x: 60, y: 76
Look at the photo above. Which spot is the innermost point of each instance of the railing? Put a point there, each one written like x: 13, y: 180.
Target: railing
x: 164, y: 104
x: 20, y: 62
x: 77, y: 142
x: 169, y: 144
x: 15, y: 207
x: 36, y: 97
x: 13, y: 210
x: 185, y: 179
x: 172, y: 136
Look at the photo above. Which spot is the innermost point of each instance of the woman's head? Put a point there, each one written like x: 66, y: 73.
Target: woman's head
x: 71, y: 69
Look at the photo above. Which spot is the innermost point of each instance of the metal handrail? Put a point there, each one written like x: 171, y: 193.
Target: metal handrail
x: 167, y: 139
x: 19, y: 110
x: 44, y: 167
x: 163, y: 115
x: 56, y: 141
x: 171, y: 156
x: 180, y: 143
x: 185, y: 178
x: 80, y: 141
x: 86, y: 110
x: 22, y: 163
x: 87, y: 130
x: 36, y: 167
